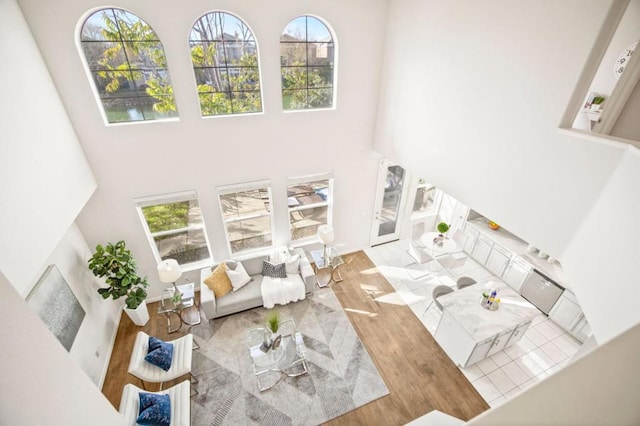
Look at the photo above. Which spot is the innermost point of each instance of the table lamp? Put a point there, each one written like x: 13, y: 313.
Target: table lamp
x: 169, y: 271
x: 325, y: 233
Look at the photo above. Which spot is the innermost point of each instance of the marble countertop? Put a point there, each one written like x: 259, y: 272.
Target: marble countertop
x: 481, y: 323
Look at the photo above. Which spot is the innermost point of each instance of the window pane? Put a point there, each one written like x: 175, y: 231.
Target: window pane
x: 249, y: 233
x: 293, y: 54
x: 295, y: 30
x: 424, y: 199
x: 185, y: 247
x: 305, y: 222
x: 307, y: 62
x: 241, y: 204
x: 308, y: 193
x: 178, y: 230
x: 132, y: 63
x: 320, y: 77
x: 225, y: 59
x: 320, y: 98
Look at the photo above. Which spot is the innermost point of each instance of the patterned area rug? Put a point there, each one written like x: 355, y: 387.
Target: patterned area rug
x: 341, y: 375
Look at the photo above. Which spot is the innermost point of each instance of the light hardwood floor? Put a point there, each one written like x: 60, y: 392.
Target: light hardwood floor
x: 419, y: 375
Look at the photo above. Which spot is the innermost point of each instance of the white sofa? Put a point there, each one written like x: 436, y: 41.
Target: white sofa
x: 249, y: 296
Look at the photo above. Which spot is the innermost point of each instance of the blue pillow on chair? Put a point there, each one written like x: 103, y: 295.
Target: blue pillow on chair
x: 155, y: 410
x: 160, y: 353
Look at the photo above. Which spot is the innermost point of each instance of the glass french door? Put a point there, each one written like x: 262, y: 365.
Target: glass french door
x: 390, y: 193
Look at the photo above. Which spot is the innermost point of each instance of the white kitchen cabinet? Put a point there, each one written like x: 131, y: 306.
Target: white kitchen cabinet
x: 500, y: 342
x: 518, y: 333
x: 480, y: 351
x: 565, y: 312
x: 516, y: 273
x: 582, y: 329
x: 471, y: 235
x: 568, y: 314
x: 482, y: 249
x: 498, y: 260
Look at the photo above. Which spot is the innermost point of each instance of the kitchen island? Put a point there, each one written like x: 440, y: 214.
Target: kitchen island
x: 469, y: 333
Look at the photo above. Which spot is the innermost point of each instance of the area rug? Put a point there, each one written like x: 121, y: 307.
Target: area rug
x: 341, y: 378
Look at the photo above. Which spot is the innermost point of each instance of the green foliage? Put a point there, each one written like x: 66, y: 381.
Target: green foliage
x: 164, y: 217
x: 273, y: 321
x: 134, y: 45
x: 443, y: 227
x: 304, y: 89
x: 115, y: 262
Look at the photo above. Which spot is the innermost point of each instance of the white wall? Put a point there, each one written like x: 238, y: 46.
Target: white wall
x: 97, y: 332
x: 604, y: 252
x: 472, y: 97
x: 40, y: 382
x: 46, y: 178
x: 152, y: 158
x: 599, y: 389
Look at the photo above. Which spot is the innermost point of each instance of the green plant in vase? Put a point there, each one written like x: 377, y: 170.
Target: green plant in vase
x: 273, y: 321
x: 443, y: 228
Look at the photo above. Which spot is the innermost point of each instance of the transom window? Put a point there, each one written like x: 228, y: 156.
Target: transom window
x: 174, y: 227
x: 128, y: 67
x: 225, y: 63
x: 307, y: 64
x: 310, y: 200
x: 247, y: 215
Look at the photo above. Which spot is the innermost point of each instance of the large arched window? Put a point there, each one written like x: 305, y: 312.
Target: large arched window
x: 225, y: 63
x: 128, y: 67
x: 307, y: 64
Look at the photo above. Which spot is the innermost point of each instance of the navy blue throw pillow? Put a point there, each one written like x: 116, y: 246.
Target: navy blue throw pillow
x: 160, y: 353
x: 155, y: 410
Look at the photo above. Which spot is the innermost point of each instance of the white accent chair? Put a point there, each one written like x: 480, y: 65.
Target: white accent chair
x: 420, y: 254
x: 147, y: 372
x: 452, y: 261
x: 179, y: 395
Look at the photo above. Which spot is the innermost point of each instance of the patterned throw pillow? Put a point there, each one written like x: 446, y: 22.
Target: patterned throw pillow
x: 160, y: 353
x: 274, y: 270
x: 154, y: 409
x: 218, y: 281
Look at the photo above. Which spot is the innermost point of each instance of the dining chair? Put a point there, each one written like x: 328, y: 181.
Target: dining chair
x: 465, y: 282
x: 439, y: 290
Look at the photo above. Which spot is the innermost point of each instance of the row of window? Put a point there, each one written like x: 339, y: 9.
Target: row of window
x: 128, y: 67
x: 175, y: 228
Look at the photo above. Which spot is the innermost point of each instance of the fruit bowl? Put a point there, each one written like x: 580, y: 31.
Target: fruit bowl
x: 493, y: 225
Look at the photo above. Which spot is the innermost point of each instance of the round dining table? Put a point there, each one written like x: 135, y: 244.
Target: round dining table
x: 429, y: 240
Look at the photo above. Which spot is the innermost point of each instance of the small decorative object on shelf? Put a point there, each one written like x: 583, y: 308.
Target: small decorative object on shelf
x: 490, y: 301
x: 493, y: 225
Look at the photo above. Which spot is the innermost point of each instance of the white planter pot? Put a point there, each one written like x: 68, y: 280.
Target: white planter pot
x: 140, y: 315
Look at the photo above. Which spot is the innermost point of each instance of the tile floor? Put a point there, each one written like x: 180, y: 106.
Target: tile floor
x: 544, y: 349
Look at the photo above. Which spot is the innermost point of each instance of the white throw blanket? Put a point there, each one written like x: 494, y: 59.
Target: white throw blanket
x: 280, y: 291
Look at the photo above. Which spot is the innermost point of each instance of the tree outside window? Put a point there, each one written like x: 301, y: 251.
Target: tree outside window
x: 225, y: 63
x: 175, y: 229
x: 307, y: 64
x: 128, y: 67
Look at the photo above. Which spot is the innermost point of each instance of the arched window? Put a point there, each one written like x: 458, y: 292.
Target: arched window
x: 225, y: 63
x: 128, y: 67
x: 307, y: 64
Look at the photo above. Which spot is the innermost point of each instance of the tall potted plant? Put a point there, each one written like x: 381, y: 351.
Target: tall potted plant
x: 115, y: 262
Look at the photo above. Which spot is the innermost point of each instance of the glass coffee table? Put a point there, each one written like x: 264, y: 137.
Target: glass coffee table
x: 288, y: 360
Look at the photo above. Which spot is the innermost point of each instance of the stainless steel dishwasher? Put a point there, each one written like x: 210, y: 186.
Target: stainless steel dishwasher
x: 541, y: 291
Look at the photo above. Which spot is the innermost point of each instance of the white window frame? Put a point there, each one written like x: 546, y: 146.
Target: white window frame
x: 243, y: 187
x: 167, y: 199
x: 328, y: 203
